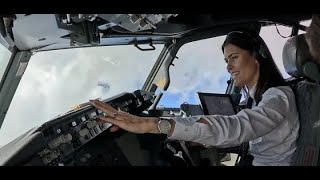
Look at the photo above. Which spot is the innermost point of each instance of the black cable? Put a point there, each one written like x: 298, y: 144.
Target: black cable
x: 280, y: 33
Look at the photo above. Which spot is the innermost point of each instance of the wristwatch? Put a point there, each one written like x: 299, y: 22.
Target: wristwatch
x: 164, y: 126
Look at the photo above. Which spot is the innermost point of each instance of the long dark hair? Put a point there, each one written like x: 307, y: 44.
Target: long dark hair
x: 269, y: 74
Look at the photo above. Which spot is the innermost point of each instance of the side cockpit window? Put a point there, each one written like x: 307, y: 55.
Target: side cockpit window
x: 5, y: 55
x: 200, y: 67
x: 304, y: 23
x: 275, y: 37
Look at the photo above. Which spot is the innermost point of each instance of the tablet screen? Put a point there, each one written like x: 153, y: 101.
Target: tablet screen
x: 220, y: 104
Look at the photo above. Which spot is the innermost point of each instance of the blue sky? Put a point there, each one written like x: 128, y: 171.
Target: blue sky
x: 174, y: 100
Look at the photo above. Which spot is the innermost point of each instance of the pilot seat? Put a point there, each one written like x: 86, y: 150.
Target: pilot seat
x: 299, y: 64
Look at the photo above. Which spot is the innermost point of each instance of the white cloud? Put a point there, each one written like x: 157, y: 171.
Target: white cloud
x: 201, y: 67
x: 55, y: 81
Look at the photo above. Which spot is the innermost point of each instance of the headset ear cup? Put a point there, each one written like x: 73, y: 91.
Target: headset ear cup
x: 263, y: 52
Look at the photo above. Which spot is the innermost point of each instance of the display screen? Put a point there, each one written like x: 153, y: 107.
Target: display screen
x: 220, y: 104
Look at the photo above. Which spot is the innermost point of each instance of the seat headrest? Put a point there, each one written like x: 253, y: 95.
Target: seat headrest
x: 297, y: 59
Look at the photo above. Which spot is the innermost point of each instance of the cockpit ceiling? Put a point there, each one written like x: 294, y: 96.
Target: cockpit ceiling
x: 38, y: 32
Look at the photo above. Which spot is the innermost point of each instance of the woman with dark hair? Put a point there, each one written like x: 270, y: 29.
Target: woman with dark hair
x: 269, y: 74
x: 270, y: 126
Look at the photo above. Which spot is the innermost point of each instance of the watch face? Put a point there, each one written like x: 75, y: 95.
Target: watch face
x: 164, y: 126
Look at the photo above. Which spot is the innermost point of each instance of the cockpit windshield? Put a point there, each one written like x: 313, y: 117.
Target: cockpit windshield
x: 56, y: 81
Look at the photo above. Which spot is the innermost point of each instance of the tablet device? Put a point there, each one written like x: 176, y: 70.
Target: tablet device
x: 216, y: 104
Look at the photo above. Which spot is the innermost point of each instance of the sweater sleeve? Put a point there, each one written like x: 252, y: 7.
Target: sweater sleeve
x: 246, y: 125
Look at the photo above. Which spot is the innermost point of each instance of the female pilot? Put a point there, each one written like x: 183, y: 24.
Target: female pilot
x: 270, y: 126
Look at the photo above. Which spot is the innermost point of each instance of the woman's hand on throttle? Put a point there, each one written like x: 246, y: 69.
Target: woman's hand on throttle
x: 126, y: 121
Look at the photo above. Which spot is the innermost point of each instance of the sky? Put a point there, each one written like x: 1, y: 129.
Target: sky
x: 197, y: 69
x: 55, y: 81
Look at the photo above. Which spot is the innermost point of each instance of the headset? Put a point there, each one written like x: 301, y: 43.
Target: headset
x: 259, y: 46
